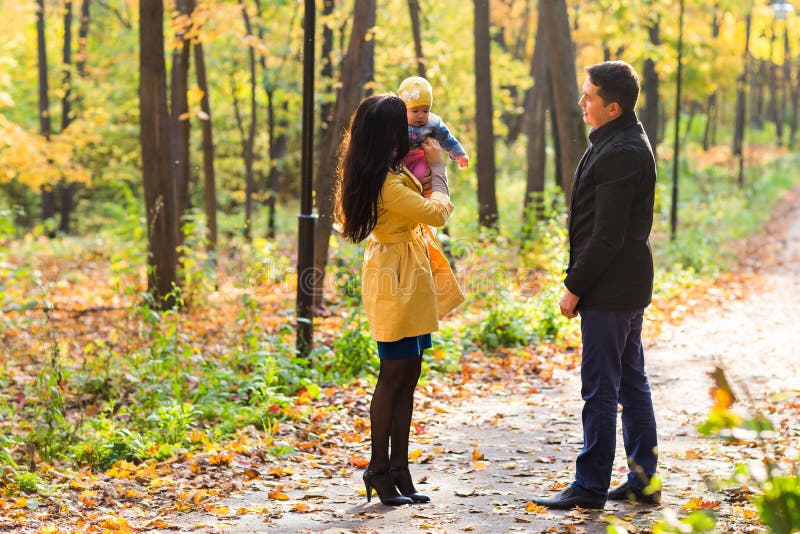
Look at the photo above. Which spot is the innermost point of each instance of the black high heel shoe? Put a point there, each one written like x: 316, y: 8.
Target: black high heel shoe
x: 384, y: 487
x: 401, y: 477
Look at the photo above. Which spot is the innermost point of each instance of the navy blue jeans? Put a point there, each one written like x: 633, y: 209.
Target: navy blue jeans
x: 612, y: 372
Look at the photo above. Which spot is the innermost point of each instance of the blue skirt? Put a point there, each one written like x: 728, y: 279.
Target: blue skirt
x: 408, y: 347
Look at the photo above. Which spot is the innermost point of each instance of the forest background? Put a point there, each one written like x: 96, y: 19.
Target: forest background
x: 149, y: 193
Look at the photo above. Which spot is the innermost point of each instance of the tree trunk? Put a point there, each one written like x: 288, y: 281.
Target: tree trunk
x: 83, y: 36
x: 159, y: 189
x: 368, y: 75
x: 487, y: 198
x: 711, y: 102
x: 66, y: 190
x: 561, y: 60
x: 741, y: 97
x: 249, y: 144
x: 521, y: 45
x: 795, y: 93
x: 650, y: 89
x: 692, y: 113
x: 413, y: 8
x: 209, y: 177
x: 787, y: 87
x: 347, y: 100
x: 757, y: 117
x: 48, y: 194
x: 276, y: 132
x: 557, y: 157
x: 179, y: 115
x: 278, y: 146
x: 326, y: 109
x: 711, y: 117
x: 536, y: 129
x: 774, y: 106
x: 66, y: 74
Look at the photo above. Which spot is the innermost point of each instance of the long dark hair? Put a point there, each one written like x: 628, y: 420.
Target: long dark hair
x: 378, y: 141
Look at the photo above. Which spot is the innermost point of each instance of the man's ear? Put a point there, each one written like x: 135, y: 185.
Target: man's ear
x: 614, y: 109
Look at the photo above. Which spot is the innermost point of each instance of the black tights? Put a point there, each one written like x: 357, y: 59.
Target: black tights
x: 390, y: 412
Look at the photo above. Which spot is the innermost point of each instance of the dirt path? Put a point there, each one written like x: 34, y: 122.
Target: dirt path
x: 529, y: 442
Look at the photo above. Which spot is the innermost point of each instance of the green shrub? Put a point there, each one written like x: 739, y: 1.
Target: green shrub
x: 354, y: 353
x: 28, y: 482
x: 504, y: 326
x: 106, y: 444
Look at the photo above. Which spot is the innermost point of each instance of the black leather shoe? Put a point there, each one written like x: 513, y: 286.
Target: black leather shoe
x: 624, y: 492
x: 402, y: 479
x: 569, y: 498
x: 384, y: 486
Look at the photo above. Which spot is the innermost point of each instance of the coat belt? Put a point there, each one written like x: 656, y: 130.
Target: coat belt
x: 398, y: 237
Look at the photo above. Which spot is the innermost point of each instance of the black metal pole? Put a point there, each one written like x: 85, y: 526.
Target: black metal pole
x: 306, y: 219
x: 673, y: 216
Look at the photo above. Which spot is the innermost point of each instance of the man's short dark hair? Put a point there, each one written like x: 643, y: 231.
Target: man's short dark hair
x: 618, y: 82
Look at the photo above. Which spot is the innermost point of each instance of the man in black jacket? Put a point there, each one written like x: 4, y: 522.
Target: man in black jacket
x: 609, y: 283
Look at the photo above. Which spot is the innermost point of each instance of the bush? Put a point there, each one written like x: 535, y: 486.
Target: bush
x: 354, y: 353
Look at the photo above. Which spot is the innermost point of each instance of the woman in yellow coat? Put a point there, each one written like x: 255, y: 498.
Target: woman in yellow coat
x: 404, y: 293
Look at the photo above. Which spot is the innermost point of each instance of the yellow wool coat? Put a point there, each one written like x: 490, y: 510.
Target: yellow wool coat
x: 404, y: 292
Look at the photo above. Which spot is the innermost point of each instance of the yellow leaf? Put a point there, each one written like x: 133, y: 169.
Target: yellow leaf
x: 535, y: 508
x: 220, y: 459
x: 251, y: 474
x: 134, y: 494
x: 477, y: 464
x: 253, y: 510
x: 199, y: 496
x: 280, y: 472
x: 301, y: 507
x: 160, y: 482
x: 197, y: 436
x: 87, y: 498
x: 278, y: 496
x: 157, y: 523
x: 48, y: 529
x: 721, y: 384
x: 217, y: 510
x: 79, y: 484
x: 477, y: 455
x: 697, y: 503
x: 722, y: 399
x: 359, y: 461
x: 22, y: 502
x: 416, y: 453
x: 116, y: 524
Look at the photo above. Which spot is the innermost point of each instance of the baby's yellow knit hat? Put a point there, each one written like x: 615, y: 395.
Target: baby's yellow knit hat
x: 416, y: 91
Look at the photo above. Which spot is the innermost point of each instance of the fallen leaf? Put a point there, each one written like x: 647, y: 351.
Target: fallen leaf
x: 358, y: 461
x: 534, y: 508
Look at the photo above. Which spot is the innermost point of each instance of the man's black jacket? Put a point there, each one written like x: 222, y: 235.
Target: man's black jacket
x: 611, y: 213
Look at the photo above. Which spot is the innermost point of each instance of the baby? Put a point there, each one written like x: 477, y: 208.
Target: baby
x: 417, y: 93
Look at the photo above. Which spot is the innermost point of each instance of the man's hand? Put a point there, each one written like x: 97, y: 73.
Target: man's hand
x: 568, y: 303
x: 463, y: 161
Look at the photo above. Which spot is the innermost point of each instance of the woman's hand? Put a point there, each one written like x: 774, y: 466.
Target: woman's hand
x: 433, y: 151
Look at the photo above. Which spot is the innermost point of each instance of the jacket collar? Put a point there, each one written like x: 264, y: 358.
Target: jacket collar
x: 610, y: 128
x: 410, y: 176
